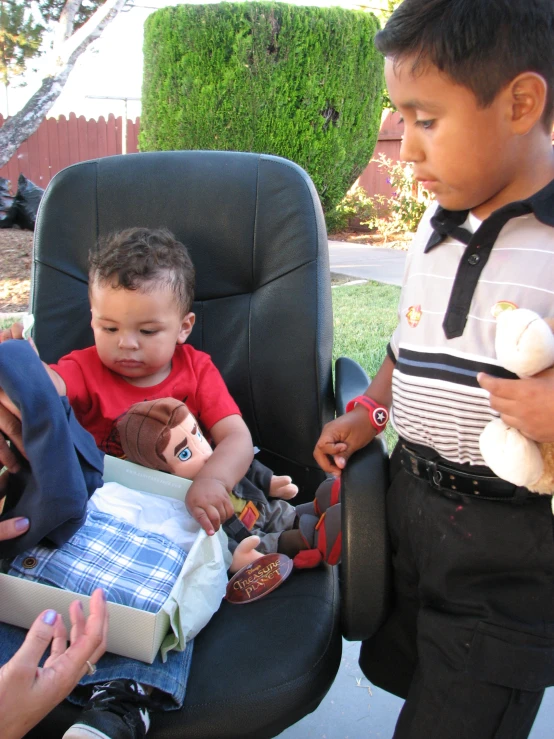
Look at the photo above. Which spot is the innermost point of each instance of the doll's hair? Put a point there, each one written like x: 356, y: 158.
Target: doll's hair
x: 143, y: 259
x: 145, y: 429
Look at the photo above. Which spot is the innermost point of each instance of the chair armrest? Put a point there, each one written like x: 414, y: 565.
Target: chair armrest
x: 350, y: 380
x: 365, y: 568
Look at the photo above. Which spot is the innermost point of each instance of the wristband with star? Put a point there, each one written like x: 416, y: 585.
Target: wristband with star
x: 378, y: 414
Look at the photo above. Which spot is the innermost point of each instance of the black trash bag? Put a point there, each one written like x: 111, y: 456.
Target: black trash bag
x: 7, y: 211
x: 26, y: 202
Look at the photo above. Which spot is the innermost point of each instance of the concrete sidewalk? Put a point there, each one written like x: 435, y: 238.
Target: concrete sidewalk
x: 366, y: 262
x: 354, y: 709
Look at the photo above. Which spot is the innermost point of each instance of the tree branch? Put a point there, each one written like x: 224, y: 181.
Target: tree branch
x: 23, y: 124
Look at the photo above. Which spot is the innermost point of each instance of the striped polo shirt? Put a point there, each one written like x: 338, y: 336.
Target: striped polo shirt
x: 459, y: 274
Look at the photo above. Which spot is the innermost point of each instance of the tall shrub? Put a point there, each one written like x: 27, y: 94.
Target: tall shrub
x: 301, y: 82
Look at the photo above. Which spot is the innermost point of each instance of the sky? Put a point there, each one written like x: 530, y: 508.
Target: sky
x: 112, y: 65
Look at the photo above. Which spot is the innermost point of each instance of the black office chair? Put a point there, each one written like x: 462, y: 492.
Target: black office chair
x: 256, y: 233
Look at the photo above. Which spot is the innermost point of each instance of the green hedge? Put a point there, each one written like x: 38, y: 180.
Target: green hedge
x: 301, y: 82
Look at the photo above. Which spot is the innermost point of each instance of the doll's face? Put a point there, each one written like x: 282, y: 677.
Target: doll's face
x: 187, y: 449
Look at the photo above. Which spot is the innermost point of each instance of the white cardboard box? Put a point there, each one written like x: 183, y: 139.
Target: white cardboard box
x: 132, y: 632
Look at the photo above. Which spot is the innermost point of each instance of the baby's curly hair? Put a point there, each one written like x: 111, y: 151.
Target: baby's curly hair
x: 136, y: 258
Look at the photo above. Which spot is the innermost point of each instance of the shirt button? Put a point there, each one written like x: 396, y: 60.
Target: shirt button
x: 474, y: 259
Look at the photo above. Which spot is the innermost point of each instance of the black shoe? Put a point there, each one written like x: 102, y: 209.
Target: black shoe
x: 116, y: 710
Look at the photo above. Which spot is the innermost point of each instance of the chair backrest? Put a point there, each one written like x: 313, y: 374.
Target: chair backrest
x: 255, y: 230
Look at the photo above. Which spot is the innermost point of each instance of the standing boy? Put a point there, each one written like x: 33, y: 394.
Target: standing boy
x: 469, y: 641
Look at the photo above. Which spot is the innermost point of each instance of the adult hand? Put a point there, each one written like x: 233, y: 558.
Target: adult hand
x: 209, y: 503
x: 29, y: 692
x: 341, y: 438
x: 10, y: 426
x: 13, y: 527
x: 526, y: 404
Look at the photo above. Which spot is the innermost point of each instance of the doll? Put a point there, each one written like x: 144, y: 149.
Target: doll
x: 162, y: 434
x: 525, y: 346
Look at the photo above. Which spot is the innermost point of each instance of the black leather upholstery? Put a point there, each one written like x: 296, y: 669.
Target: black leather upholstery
x: 255, y: 231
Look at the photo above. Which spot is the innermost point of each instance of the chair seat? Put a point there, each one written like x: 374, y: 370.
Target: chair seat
x: 253, y: 693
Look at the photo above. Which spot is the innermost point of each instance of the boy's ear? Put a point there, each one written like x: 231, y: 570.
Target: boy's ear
x: 528, y: 97
x: 186, y: 327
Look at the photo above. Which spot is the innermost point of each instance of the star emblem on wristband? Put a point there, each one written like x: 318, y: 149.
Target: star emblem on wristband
x: 378, y: 414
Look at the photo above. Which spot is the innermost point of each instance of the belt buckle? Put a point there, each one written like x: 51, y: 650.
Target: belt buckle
x: 434, y: 474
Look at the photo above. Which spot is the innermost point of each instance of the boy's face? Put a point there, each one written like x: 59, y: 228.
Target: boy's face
x: 135, y: 331
x: 460, y: 151
x: 187, y: 450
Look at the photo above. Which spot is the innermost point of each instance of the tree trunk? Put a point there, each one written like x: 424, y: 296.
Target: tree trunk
x: 67, y: 50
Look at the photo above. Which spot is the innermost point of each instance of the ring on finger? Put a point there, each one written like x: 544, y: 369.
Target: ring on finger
x: 91, y: 669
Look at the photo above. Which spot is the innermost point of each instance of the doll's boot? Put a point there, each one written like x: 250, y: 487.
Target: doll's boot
x: 322, y: 536
x: 327, y: 495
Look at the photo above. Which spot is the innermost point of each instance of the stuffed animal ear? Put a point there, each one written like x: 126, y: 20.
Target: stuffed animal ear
x: 524, y: 342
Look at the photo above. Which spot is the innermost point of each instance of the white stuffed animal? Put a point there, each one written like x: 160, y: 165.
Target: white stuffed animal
x: 525, y: 346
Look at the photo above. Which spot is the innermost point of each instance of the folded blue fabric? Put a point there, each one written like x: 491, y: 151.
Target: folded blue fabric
x: 64, y: 464
x: 136, y: 568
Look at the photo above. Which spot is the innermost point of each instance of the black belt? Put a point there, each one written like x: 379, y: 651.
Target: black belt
x: 442, y: 477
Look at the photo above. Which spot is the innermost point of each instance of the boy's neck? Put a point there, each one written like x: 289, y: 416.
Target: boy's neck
x: 534, y: 172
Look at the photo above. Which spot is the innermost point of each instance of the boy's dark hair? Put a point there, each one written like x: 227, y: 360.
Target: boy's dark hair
x: 480, y: 44
x: 129, y: 259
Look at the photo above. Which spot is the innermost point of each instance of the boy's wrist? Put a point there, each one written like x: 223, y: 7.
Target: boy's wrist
x: 377, y: 414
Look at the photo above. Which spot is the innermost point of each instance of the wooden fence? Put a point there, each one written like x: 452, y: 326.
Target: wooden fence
x: 374, y: 179
x: 60, y: 142
x: 57, y: 143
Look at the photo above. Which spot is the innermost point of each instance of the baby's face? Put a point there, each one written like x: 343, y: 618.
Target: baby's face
x: 136, y: 331
x: 187, y: 450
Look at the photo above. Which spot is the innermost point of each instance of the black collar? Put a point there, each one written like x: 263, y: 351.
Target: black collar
x: 448, y: 222
x: 478, y: 248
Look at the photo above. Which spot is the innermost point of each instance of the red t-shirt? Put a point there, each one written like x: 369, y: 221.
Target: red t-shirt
x: 98, y: 396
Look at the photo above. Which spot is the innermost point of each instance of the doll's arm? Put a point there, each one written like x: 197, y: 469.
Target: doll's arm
x: 208, y: 496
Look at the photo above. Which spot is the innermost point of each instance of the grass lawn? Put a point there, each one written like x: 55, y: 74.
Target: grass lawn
x: 364, y: 317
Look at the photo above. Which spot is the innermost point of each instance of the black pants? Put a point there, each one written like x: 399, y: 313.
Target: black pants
x: 469, y: 642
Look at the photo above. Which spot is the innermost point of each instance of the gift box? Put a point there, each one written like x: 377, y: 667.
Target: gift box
x: 134, y: 633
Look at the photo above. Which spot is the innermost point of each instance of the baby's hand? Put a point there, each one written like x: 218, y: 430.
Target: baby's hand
x: 209, y: 503
x: 20, y: 331
x: 15, y: 331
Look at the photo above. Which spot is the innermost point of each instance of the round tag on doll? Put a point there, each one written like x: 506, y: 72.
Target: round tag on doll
x: 258, y: 578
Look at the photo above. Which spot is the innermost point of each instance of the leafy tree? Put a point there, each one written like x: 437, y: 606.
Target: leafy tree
x: 20, y: 38
x: 304, y: 83
x: 52, y: 9
x: 76, y: 24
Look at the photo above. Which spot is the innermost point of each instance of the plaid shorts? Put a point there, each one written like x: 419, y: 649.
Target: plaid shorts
x: 135, y: 568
